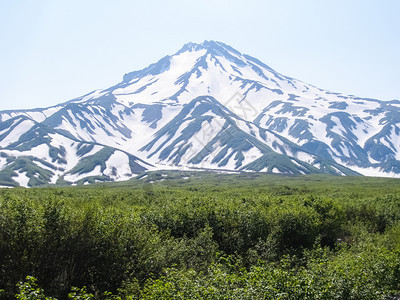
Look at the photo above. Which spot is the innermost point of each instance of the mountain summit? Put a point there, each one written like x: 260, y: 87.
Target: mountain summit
x: 206, y: 107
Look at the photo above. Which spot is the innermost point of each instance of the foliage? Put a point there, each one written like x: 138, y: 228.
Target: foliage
x: 203, y: 236
x: 29, y: 290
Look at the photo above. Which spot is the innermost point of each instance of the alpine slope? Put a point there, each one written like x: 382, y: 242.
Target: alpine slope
x: 206, y: 107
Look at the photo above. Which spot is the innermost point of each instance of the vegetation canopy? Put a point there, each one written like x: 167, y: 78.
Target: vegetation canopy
x: 197, y: 235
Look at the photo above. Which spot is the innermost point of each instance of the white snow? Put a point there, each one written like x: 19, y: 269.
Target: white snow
x: 3, y: 162
x: 40, y: 151
x: 93, y: 95
x: 227, y: 83
x: 16, y: 132
x: 8, y: 128
x: 276, y: 170
x: 339, y: 129
x: 120, y: 162
x: 251, y: 155
x: 22, y: 179
x: 75, y: 177
x: 303, y: 156
x: 374, y: 172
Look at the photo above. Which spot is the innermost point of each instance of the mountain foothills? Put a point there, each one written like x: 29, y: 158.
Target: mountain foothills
x: 207, y: 107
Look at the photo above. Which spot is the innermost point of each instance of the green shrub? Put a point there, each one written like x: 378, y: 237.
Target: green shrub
x: 210, y: 237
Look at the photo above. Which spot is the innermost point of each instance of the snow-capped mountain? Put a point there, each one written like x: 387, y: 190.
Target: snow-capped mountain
x: 208, y: 106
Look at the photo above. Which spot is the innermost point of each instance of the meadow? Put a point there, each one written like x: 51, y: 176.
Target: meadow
x: 198, y: 235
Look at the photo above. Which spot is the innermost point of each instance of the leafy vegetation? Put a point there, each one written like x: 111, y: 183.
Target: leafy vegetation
x: 196, y: 235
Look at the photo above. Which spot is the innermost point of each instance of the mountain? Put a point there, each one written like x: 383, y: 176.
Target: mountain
x: 206, y: 107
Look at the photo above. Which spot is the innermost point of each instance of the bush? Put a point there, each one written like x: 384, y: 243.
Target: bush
x: 238, y: 240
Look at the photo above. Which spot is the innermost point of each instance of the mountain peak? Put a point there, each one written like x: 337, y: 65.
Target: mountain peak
x: 197, y: 46
x: 213, y: 48
x: 209, y: 45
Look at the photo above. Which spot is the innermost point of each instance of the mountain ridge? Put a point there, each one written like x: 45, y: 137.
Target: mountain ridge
x: 208, y: 106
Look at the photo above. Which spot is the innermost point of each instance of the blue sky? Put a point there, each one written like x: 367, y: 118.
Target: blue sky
x: 53, y: 51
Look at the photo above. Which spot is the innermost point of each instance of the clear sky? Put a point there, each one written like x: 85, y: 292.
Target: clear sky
x: 56, y: 50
